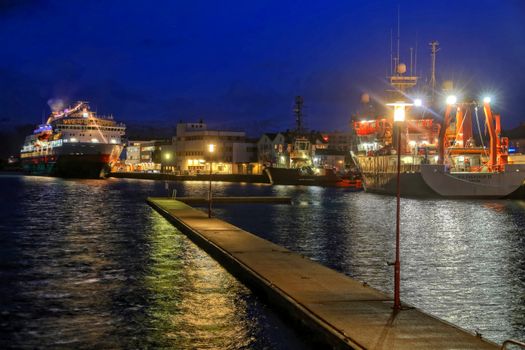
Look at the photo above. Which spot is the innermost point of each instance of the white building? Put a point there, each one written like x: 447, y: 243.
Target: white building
x: 272, y: 150
x: 232, y: 153
x: 144, y: 155
x: 133, y: 152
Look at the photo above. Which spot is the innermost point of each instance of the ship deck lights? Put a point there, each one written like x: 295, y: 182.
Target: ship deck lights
x: 399, y: 110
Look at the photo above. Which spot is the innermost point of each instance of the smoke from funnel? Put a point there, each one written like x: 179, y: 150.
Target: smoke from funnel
x: 55, y: 104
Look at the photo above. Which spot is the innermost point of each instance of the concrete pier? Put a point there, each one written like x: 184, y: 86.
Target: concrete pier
x: 339, y: 310
x: 236, y: 200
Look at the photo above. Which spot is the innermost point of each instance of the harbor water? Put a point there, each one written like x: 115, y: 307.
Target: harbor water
x: 87, y: 263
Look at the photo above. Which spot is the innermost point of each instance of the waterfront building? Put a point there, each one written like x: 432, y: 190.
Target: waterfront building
x: 516, y: 139
x: 272, y: 150
x: 145, y: 155
x: 233, y: 152
x: 339, y: 140
x: 133, y: 153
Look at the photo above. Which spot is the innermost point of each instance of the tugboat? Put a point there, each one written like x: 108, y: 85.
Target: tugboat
x: 301, y: 148
x: 74, y: 142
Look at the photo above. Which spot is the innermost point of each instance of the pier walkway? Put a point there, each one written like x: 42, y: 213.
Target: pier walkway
x: 339, y: 310
x: 236, y: 200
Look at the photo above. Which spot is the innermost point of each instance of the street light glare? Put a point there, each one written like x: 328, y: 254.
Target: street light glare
x: 211, y: 148
x: 399, y: 113
x: 452, y: 99
x: 418, y: 102
x: 486, y: 99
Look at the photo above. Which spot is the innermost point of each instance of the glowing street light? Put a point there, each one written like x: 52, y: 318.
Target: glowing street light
x: 399, y: 110
x: 418, y: 102
x: 451, y: 100
x: 486, y: 99
x: 399, y: 117
x: 211, y: 150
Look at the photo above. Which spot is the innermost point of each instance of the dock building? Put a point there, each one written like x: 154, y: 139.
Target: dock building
x: 234, y: 153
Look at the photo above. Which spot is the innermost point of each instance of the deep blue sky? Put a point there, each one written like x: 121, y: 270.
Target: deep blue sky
x: 240, y: 63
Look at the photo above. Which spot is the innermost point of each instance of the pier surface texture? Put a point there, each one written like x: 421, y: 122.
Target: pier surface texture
x: 340, y: 311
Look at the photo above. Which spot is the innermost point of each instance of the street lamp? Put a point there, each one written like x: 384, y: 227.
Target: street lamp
x: 211, y: 150
x: 399, y: 117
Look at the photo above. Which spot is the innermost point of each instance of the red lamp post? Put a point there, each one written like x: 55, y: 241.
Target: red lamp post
x: 399, y: 117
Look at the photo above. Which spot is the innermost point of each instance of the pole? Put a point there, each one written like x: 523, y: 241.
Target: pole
x: 397, y: 263
x: 209, y: 191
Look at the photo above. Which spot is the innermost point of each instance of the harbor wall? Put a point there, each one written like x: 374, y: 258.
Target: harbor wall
x: 201, y: 177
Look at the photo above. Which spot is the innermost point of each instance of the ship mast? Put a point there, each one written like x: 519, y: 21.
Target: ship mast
x: 298, y: 111
x: 433, y: 50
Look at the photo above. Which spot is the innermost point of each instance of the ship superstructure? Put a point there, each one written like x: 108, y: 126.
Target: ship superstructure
x: 440, y: 155
x: 74, y: 142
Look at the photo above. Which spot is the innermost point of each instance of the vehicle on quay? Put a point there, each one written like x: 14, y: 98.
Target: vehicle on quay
x: 73, y: 142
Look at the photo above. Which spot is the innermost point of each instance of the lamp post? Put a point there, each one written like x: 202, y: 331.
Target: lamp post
x: 399, y: 117
x: 211, y: 150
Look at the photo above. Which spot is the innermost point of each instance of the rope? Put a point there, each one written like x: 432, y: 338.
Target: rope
x: 479, y: 128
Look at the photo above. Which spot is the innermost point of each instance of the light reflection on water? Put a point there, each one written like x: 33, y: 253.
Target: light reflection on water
x: 463, y: 261
x: 87, y: 264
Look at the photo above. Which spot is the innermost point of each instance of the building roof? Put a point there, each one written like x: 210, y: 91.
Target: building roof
x: 271, y: 136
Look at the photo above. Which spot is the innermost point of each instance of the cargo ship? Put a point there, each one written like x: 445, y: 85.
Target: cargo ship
x: 73, y: 142
x: 438, y: 152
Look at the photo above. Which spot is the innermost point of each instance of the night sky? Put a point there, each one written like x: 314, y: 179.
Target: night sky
x: 239, y: 64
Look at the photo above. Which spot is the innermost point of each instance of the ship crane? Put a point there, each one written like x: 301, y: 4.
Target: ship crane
x: 498, y: 146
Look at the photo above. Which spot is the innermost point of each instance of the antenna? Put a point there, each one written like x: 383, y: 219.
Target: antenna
x: 415, y: 57
x: 298, y: 110
x: 398, y: 33
x: 411, y: 51
x: 391, y: 53
x: 433, y: 50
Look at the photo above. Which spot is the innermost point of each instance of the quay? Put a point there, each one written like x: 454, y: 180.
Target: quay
x: 337, y: 310
x: 247, y: 178
x: 236, y: 200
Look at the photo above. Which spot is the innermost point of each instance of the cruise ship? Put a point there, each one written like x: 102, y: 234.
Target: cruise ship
x: 441, y: 148
x: 74, y: 142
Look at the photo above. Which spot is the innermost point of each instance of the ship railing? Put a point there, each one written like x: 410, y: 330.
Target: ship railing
x: 478, y: 169
x: 512, y: 342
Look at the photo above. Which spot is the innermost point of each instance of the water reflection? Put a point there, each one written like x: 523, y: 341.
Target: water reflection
x: 87, y: 264
x: 462, y: 261
x: 192, y: 293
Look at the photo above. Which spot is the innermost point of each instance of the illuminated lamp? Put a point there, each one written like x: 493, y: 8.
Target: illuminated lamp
x: 452, y: 100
